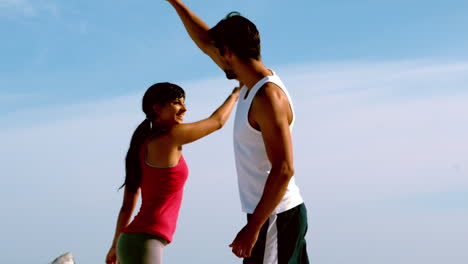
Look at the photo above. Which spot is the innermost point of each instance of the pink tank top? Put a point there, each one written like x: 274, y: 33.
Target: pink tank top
x: 161, y: 193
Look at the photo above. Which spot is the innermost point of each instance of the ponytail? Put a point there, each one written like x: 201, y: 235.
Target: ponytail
x: 132, y: 160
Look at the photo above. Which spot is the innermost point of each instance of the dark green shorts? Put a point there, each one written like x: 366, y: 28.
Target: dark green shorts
x: 282, y: 239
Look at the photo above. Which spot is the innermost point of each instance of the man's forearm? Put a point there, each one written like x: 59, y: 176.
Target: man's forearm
x: 274, y: 190
x: 196, y: 28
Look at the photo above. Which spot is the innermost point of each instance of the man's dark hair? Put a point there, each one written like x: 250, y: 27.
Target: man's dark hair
x: 239, y: 34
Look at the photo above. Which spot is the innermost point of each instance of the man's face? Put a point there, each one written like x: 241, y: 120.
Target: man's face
x: 226, y: 63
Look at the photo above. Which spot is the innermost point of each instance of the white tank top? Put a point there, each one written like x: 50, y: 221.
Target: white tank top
x: 252, y: 164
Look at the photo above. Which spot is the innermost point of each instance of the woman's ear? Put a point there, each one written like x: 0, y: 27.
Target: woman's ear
x: 156, y: 109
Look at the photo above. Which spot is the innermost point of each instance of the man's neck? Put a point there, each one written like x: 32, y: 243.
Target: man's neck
x: 252, y: 72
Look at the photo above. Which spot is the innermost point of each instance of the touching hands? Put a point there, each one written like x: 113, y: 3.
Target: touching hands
x: 236, y: 90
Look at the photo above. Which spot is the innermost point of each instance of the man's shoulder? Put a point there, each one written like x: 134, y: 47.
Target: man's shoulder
x: 270, y: 91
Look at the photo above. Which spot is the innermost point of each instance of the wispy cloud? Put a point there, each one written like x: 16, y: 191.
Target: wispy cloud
x: 24, y: 7
x: 28, y: 8
x: 399, y: 78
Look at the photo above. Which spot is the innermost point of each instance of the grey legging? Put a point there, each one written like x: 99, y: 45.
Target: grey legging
x: 139, y: 248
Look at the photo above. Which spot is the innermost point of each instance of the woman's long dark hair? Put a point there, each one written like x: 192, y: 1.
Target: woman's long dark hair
x: 157, y: 94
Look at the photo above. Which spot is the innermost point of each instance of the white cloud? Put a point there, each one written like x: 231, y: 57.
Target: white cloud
x: 398, y: 78
x: 28, y: 8
x: 364, y: 146
x: 22, y: 6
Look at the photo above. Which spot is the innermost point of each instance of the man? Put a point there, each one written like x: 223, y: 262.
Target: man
x: 277, y: 217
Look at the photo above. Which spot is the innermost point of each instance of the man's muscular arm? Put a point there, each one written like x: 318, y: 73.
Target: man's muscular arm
x: 197, y: 30
x: 272, y: 114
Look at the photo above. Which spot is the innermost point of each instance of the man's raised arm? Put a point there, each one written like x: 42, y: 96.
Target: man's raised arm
x: 197, y: 30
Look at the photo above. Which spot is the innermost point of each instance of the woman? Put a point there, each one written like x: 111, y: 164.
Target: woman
x: 156, y: 167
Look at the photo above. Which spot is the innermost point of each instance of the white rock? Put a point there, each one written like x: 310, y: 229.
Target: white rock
x: 66, y: 258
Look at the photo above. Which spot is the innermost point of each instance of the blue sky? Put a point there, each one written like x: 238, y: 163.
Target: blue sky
x: 380, y: 91
x: 62, y: 52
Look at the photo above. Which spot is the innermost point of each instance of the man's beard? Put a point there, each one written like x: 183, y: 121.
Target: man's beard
x: 231, y: 75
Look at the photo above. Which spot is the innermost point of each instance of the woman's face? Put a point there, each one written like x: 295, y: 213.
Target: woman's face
x: 172, y: 112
